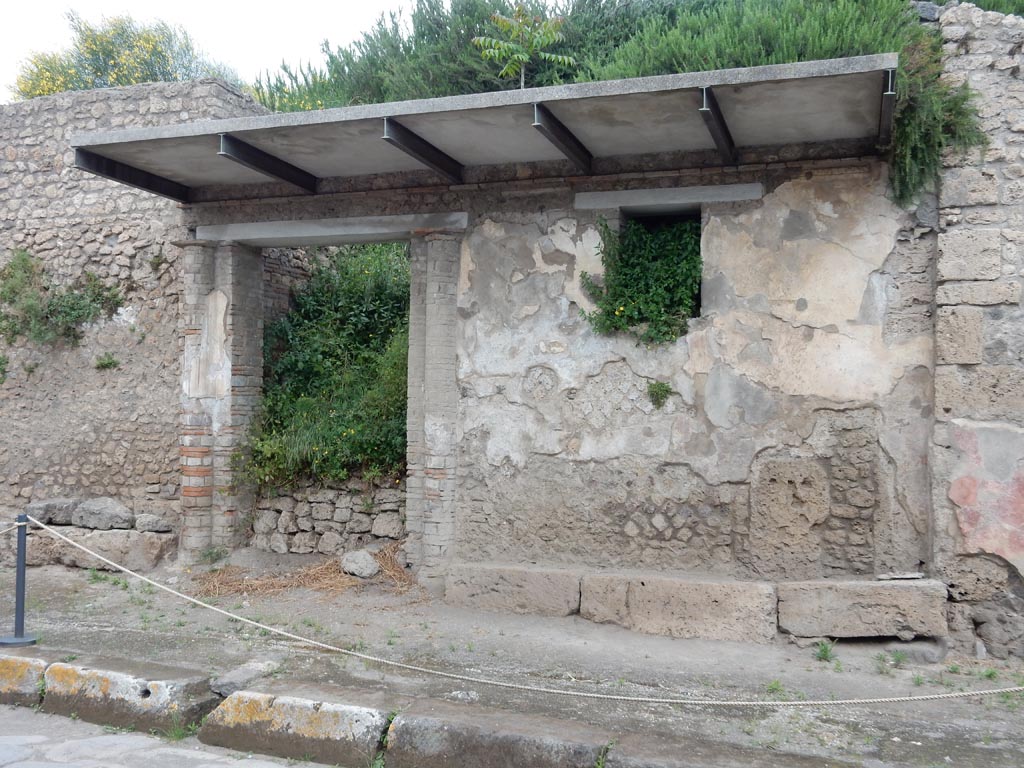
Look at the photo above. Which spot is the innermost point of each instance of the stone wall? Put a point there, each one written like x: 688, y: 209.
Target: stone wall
x: 794, y: 445
x: 978, y: 448
x: 69, y: 429
x: 329, y: 520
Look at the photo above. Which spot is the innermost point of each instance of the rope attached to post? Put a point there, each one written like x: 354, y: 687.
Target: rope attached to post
x: 517, y: 686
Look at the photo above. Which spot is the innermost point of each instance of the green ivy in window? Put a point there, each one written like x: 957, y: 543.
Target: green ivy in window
x: 651, y: 282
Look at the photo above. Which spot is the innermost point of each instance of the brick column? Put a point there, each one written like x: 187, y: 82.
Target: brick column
x: 433, y: 403
x: 414, y: 403
x: 222, y: 360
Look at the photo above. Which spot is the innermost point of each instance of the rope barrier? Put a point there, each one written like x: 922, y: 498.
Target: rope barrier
x: 14, y: 527
x: 518, y: 686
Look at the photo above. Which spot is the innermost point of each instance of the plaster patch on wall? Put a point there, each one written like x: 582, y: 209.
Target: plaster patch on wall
x: 987, y: 487
x: 207, y: 365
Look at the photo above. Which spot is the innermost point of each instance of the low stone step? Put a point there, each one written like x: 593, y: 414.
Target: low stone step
x: 903, y: 609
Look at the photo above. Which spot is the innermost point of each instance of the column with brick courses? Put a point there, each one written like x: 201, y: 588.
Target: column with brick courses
x: 243, y: 272
x: 222, y: 360
x: 437, y: 452
x: 414, y: 410
x: 196, y: 432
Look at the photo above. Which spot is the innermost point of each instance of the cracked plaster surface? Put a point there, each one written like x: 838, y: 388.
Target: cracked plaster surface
x: 563, y: 457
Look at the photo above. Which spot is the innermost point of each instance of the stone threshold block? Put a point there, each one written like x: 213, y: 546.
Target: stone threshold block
x: 742, y: 611
x: 904, y: 609
x: 140, y: 696
x: 514, y: 589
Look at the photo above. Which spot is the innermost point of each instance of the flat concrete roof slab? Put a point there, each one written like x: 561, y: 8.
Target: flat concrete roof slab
x: 804, y: 103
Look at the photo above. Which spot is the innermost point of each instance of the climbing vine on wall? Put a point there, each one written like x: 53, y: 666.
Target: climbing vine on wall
x: 651, y: 281
x: 33, y: 307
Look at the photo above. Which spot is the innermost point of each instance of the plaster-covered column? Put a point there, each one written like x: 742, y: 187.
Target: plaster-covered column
x: 222, y: 358
x: 433, y: 402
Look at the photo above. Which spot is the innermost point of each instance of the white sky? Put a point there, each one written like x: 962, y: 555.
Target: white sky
x: 250, y: 37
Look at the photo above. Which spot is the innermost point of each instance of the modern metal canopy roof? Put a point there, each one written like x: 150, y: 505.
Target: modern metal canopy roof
x: 815, y: 102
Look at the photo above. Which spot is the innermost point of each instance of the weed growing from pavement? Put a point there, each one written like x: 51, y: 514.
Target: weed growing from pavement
x: 824, y: 650
x: 602, y: 755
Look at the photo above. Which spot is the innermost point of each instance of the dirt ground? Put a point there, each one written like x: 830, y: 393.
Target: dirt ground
x: 79, y: 611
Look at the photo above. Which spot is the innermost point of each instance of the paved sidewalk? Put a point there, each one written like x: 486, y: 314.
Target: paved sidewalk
x: 31, y: 740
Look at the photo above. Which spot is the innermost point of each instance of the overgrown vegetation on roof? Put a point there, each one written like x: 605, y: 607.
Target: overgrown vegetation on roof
x: 335, y: 378
x: 1001, y: 6
x: 430, y: 54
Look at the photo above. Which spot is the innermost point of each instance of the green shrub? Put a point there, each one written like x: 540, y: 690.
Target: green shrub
x: 930, y: 115
x: 335, y: 381
x: 4, y: 362
x: 1001, y: 6
x: 658, y: 392
x: 651, y: 281
x: 106, y: 362
x: 31, y: 306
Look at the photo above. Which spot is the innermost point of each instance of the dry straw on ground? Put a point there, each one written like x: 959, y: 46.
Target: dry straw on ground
x: 326, y: 577
x: 387, y: 559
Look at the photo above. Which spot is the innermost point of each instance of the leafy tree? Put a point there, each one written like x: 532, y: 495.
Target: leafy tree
x: 118, y: 51
x: 526, y: 38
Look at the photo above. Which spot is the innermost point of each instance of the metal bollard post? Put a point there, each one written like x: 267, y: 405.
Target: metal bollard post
x: 20, y: 638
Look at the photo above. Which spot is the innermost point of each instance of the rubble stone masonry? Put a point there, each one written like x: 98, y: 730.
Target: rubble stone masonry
x: 70, y: 429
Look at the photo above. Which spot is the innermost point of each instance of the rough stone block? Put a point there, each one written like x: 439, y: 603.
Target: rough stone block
x: 152, y: 523
x: 388, y: 525
x: 958, y: 335
x: 52, y: 511
x: 980, y: 392
x: 789, y: 500
x: 21, y: 680
x: 514, y: 588
x: 970, y: 254
x: 743, y: 611
x: 981, y: 293
x: 137, y: 550
x: 904, y: 609
x: 968, y: 186
x: 143, y: 697
x: 360, y: 564
x: 330, y: 542
x: 102, y: 514
x: 308, y: 729
x: 265, y: 522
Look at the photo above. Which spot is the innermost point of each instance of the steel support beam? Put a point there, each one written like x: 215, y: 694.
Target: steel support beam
x: 130, y: 175
x: 397, y: 135
x: 265, y: 163
x: 888, y: 113
x: 554, y: 130
x: 717, y: 127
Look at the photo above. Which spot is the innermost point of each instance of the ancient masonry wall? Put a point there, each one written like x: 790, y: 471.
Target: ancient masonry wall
x: 328, y: 520
x: 978, y: 443
x: 71, y: 430
x: 794, y: 446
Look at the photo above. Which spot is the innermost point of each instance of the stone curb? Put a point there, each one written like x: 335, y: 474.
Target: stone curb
x: 286, y: 726
x: 21, y: 680
x: 421, y: 734
x: 142, y: 696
